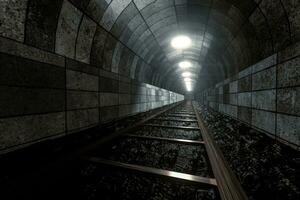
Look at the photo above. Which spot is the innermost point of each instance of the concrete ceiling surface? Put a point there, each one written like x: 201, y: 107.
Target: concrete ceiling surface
x: 132, y: 37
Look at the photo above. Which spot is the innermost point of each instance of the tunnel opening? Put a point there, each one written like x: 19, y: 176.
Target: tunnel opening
x: 173, y: 93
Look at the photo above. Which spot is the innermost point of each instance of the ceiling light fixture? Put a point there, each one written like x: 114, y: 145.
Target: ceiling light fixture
x: 185, y: 64
x: 181, y: 42
x: 186, y: 74
x: 188, y: 80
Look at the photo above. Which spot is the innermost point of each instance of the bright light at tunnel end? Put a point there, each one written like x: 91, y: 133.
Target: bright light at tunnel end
x: 181, y: 42
x: 188, y: 86
x: 188, y: 81
x: 185, y: 64
x: 186, y: 74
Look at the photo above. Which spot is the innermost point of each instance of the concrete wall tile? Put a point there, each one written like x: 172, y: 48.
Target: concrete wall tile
x: 112, y: 12
x: 267, y: 62
x: 80, y: 119
x: 264, y: 120
x: 244, y: 99
x: 20, y: 101
x: 109, y: 99
x: 18, y: 49
x: 245, y: 114
x: 84, y: 39
x: 289, y: 52
x: 264, y: 80
x: 124, y: 99
x: 245, y: 72
x: 265, y: 100
x: 288, y: 128
x: 23, y: 72
x: 289, y: 73
x: 109, y: 113
x: 30, y: 129
x: 109, y: 85
x: 233, y: 99
x: 233, y: 87
x: 81, y: 67
x: 82, y: 81
x: 12, y: 19
x: 288, y: 100
x: 41, y: 23
x: 244, y: 84
x: 66, y: 33
x: 82, y: 99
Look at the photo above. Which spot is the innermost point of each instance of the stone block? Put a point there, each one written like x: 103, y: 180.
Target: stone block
x: 112, y: 13
x: 18, y: 49
x: 245, y: 114
x: 265, y: 100
x: 267, y: 62
x: 245, y: 72
x: 107, y: 74
x: 244, y: 99
x: 82, y: 99
x: 81, y: 119
x: 288, y: 100
x: 288, y: 128
x: 264, y: 120
x: 289, y: 52
x: 24, y: 72
x: 12, y: 19
x: 30, y: 129
x: 84, y: 39
x: 81, y: 67
x: 20, y: 101
x: 233, y: 99
x: 41, y: 23
x: 125, y: 110
x: 264, y: 80
x: 67, y: 27
x: 109, y: 113
x: 82, y: 81
x: 124, y: 87
x: 221, y: 90
x: 97, y: 8
x: 109, y: 99
x: 109, y: 85
x: 124, y: 99
x: 233, y: 87
x: 289, y: 73
x: 244, y: 84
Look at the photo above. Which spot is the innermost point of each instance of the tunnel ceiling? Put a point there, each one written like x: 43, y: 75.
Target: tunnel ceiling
x: 133, y: 37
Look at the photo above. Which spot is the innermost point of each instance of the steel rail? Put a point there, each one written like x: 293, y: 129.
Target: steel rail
x: 177, y: 140
x: 175, y: 120
x: 177, y: 115
x: 228, y: 185
x: 151, y: 170
x: 174, y: 127
x: 183, y: 113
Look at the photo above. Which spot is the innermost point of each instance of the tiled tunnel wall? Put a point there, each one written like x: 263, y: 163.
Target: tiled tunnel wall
x: 61, y: 72
x: 44, y: 95
x: 265, y: 95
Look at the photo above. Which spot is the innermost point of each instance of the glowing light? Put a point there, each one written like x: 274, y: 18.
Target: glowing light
x: 185, y: 64
x: 186, y: 74
x: 181, y: 42
x: 188, y: 86
x: 188, y: 80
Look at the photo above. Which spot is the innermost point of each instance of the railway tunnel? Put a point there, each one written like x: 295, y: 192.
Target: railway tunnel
x: 150, y: 99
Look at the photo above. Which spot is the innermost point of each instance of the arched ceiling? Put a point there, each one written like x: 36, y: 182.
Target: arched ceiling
x: 132, y: 37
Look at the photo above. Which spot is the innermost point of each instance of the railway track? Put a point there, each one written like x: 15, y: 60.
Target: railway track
x: 167, y: 156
